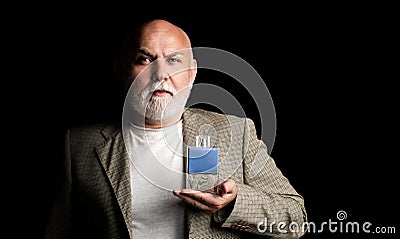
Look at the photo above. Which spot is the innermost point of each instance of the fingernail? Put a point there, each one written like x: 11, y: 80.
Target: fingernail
x: 188, y: 191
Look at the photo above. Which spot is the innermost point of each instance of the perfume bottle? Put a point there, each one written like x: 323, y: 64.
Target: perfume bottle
x: 202, y: 165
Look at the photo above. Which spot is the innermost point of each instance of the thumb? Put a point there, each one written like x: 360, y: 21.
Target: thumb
x: 226, y: 187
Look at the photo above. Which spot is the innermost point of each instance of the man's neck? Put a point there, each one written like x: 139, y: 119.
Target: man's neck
x: 159, y: 126
x: 156, y: 126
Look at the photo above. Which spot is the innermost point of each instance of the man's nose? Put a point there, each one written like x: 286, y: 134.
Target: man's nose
x: 160, y: 71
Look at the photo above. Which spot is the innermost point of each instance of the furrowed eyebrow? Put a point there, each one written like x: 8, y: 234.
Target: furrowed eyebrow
x: 145, y: 52
x: 174, y: 54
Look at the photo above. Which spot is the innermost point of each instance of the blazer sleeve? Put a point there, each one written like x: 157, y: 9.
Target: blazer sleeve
x: 58, y: 223
x: 265, y: 197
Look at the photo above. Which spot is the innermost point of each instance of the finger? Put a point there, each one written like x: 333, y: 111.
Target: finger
x: 228, y: 186
x: 209, y: 199
x: 187, y: 190
x: 195, y: 203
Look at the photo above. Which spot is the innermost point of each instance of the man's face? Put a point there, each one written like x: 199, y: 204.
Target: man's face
x: 162, y: 69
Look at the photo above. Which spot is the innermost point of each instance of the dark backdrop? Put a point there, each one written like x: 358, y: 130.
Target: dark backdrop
x: 324, y: 69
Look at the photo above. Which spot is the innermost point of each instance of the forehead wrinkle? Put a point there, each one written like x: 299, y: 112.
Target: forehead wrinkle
x: 161, y: 38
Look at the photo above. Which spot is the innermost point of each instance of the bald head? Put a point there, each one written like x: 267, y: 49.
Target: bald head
x: 159, y: 38
x: 162, y: 27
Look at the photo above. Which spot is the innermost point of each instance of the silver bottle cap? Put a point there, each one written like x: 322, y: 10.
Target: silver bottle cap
x: 203, y: 141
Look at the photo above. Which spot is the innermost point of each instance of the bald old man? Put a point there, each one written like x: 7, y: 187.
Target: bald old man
x: 129, y: 181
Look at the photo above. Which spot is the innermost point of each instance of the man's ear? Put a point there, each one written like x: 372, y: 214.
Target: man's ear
x: 193, y: 70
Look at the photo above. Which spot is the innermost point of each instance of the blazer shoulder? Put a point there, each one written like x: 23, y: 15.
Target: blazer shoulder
x: 93, y: 133
x: 214, y: 117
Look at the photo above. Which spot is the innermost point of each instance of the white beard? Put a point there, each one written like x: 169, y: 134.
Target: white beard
x: 163, y: 110
x: 155, y: 107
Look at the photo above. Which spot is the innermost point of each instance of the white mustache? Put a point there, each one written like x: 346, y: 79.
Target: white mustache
x: 164, y: 87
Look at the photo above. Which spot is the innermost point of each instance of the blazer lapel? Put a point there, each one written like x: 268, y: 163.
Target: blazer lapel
x: 115, y: 161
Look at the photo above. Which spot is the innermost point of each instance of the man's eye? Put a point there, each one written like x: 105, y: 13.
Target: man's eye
x: 173, y: 60
x: 143, y: 60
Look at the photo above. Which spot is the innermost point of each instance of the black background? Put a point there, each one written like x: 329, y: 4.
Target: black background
x: 328, y: 68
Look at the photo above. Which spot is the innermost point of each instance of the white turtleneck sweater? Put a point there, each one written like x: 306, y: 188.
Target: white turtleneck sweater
x: 156, y: 169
